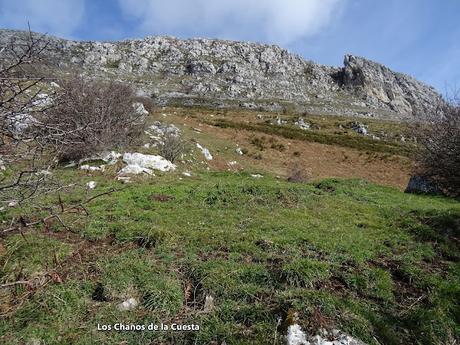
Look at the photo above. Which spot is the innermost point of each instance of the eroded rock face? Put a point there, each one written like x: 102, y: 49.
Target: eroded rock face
x: 381, y: 86
x: 219, y: 73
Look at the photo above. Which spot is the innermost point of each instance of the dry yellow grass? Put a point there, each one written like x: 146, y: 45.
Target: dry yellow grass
x: 320, y: 160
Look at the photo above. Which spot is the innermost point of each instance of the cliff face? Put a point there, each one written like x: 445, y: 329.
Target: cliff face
x: 226, y: 74
x: 380, y: 85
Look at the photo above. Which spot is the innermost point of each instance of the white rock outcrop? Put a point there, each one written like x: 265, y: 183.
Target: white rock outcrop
x: 138, y: 163
x: 90, y: 168
x: 295, y: 336
x: 18, y: 123
x: 91, y: 185
x: 140, y: 109
x: 110, y: 157
x: 205, y: 152
x: 129, y: 304
x: 302, y: 124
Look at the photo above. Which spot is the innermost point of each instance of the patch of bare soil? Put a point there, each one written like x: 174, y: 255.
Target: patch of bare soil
x: 320, y: 160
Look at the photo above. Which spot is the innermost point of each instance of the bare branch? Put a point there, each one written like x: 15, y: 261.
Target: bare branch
x: 438, y: 138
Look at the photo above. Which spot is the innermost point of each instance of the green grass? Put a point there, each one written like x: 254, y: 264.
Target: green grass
x: 31, y: 255
x: 372, y: 261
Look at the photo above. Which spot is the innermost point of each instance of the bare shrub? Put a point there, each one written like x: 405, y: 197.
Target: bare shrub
x: 171, y: 147
x: 23, y: 166
x: 92, y: 116
x: 298, y: 174
x: 38, y: 126
x: 438, y: 156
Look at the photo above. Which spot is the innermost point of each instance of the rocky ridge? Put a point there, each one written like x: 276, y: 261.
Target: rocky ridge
x: 219, y: 73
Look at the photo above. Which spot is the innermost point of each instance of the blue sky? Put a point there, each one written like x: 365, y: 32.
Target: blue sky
x: 417, y: 37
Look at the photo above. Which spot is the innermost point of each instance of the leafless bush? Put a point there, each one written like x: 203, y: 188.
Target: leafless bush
x: 21, y: 65
x: 298, y: 174
x: 171, y: 147
x: 438, y: 157
x: 91, y: 116
x: 38, y: 127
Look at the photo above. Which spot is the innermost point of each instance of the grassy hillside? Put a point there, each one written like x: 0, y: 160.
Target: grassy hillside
x: 369, y: 260
x: 329, y: 149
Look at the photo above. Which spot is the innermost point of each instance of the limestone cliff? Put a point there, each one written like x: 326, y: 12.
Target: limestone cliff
x: 221, y: 73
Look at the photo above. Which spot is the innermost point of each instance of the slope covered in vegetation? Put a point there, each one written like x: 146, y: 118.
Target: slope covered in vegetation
x: 369, y: 260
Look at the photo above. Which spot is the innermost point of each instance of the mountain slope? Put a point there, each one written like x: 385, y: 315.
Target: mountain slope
x: 220, y: 73
x: 347, y: 255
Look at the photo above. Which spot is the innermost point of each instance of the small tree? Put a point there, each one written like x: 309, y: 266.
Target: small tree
x: 92, y: 116
x: 438, y: 157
